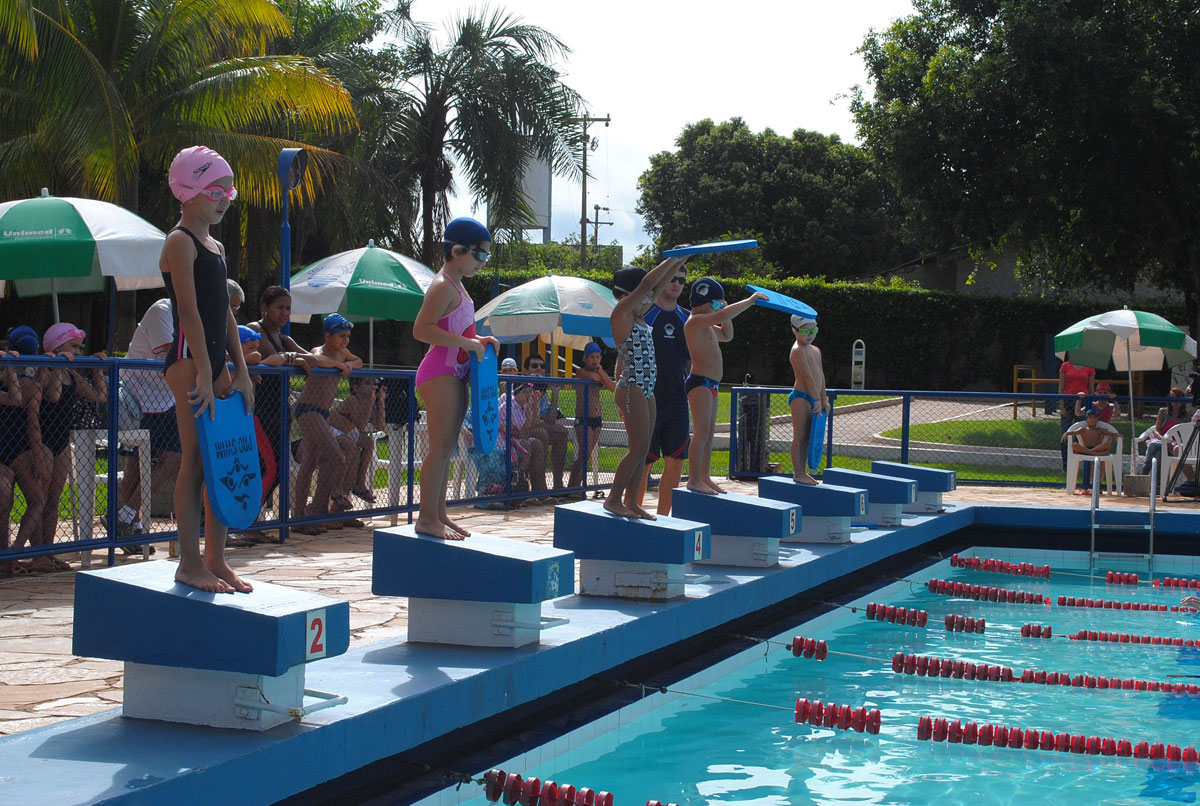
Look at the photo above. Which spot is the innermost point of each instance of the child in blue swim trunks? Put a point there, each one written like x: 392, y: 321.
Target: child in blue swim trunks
x: 807, y: 398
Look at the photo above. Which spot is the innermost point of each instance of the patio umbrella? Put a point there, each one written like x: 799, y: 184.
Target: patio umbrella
x: 50, y: 244
x: 562, y: 310
x: 1127, y: 340
x: 362, y: 284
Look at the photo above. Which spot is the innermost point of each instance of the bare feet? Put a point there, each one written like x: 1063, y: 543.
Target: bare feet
x: 697, y: 486
x: 202, y: 579
x: 454, y: 527
x: 638, y: 512
x: 221, y: 570
x: 436, y: 529
x: 718, y: 489
x: 804, y: 478
x: 617, y: 508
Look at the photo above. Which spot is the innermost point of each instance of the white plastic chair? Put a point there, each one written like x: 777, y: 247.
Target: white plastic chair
x: 1109, y: 464
x: 1174, y: 440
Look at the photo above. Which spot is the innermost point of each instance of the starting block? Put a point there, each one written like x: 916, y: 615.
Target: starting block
x: 482, y: 591
x: 745, y: 530
x: 886, y: 495
x: 630, y: 557
x: 931, y: 483
x: 827, y: 507
x: 228, y: 660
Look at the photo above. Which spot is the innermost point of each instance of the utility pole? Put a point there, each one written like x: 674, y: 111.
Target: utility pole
x: 596, y: 222
x: 583, y: 216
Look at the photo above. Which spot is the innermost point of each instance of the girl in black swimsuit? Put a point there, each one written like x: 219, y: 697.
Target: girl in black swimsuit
x: 56, y: 418
x: 194, y: 271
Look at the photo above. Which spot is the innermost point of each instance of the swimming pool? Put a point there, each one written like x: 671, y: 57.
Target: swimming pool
x: 688, y: 749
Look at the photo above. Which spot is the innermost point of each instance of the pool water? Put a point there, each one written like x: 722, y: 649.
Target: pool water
x: 688, y: 749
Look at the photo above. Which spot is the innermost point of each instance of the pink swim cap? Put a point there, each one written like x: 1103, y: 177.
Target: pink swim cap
x: 194, y: 169
x: 59, y: 334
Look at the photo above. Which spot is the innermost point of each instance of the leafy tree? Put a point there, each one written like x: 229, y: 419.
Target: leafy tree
x: 815, y: 203
x: 488, y: 99
x: 1067, y: 130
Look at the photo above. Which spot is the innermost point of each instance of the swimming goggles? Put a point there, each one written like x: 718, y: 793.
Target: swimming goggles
x: 216, y: 193
x: 807, y: 331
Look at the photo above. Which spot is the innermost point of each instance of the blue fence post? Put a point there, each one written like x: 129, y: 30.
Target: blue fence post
x: 587, y: 439
x: 733, y: 423
x: 509, y: 399
x: 285, y: 455
x: 412, y: 443
x: 829, y: 431
x: 905, y: 417
x: 110, y: 516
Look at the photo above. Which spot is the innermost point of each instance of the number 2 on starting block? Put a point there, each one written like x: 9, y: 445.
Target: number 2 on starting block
x: 314, y: 641
x: 699, y: 544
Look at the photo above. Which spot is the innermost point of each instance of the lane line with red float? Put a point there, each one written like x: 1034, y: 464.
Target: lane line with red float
x: 989, y: 565
x: 939, y: 729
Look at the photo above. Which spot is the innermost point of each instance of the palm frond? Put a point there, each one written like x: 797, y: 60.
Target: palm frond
x: 17, y: 27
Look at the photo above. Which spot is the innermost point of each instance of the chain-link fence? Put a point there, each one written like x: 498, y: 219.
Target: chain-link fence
x: 987, y: 438
x: 354, y: 447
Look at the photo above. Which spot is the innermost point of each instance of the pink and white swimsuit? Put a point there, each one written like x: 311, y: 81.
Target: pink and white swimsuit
x: 443, y: 360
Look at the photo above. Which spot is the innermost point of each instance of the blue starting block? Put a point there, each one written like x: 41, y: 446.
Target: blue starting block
x: 482, y: 591
x: 886, y: 495
x: 745, y: 530
x: 827, y: 507
x: 628, y: 557
x: 233, y: 660
x: 931, y: 483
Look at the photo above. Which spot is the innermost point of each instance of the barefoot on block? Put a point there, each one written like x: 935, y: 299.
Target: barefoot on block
x: 202, y: 579
x: 638, y: 512
x: 436, y: 529
x: 804, y: 478
x: 221, y: 570
x: 696, y: 486
x: 454, y: 527
x: 617, y: 508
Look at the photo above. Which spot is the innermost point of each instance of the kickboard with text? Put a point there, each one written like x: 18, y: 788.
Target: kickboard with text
x: 715, y: 246
x: 781, y: 302
x: 816, y: 440
x: 229, y: 451
x: 485, y: 400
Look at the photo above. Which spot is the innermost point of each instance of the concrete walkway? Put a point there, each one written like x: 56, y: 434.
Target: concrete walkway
x: 42, y: 682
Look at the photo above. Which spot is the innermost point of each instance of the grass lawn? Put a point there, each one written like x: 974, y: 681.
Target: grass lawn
x: 999, y: 433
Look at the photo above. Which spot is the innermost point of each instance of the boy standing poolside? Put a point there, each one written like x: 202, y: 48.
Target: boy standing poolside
x: 807, y: 398
x: 710, y: 322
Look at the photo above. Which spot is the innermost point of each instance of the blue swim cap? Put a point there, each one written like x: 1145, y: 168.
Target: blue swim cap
x: 592, y: 347
x: 336, y: 323
x: 246, y: 334
x: 24, y: 340
x: 706, y: 289
x: 466, y: 231
x: 1091, y: 412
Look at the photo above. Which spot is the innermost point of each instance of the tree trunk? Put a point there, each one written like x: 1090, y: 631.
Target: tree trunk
x: 428, y: 199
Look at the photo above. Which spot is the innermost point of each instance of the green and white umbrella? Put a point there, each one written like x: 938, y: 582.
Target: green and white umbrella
x: 562, y: 310
x: 50, y: 245
x: 363, y: 285
x: 1125, y: 340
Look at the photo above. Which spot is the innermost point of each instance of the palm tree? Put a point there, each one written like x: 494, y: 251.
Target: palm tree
x: 488, y: 100
x: 92, y: 93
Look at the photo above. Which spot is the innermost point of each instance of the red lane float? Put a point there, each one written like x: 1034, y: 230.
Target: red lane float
x: 1036, y: 631
x: 1119, y: 578
x: 1109, y: 604
x: 837, y: 716
x: 510, y: 787
x: 1126, y: 638
x: 809, y: 648
x: 1176, y: 582
x: 923, y: 666
x: 985, y: 593
x: 897, y: 615
x: 939, y: 729
x: 965, y: 624
x: 1000, y: 566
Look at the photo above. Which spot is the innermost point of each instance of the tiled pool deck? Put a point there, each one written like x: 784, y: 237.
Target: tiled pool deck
x: 42, y: 682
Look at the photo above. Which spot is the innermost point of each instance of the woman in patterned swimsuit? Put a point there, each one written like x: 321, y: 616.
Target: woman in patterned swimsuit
x: 635, y: 290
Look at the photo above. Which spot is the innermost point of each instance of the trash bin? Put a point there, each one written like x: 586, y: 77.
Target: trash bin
x: 754, y: 453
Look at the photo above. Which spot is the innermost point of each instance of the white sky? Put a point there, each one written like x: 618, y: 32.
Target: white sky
x: 656, y: 66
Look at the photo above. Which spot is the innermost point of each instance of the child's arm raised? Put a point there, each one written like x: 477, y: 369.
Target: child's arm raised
x: 722, y: 320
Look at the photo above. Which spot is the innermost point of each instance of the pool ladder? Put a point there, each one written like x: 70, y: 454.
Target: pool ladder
x: 1146, y: 527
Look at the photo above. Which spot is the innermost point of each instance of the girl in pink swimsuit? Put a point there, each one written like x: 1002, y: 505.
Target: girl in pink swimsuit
x: 446, y: 322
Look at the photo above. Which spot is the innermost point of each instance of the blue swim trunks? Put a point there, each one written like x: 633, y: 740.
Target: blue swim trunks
x: 796, y: 393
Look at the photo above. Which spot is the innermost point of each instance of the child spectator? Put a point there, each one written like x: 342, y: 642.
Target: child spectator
x: 529, y: 448
x: 594, y: 421
x: 635, y: 290
x: 446, y: 322
x: 321, y: 450
x: 1104, y: 402
x: 358, y: 415
x: 56, y: 416
x: 1095, y: 439
x: 710, y: 322
x: 807, y: 398
x: 19, y: 464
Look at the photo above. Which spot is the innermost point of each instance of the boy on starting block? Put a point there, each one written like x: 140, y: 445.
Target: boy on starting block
x: 807, y: 398
x: 711, y: 322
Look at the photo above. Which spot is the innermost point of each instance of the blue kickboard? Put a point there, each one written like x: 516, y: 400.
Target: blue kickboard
x: 816, y: 439
x: 782, y: 302
x: 139, y: 613
x: 712, y: 246
x: 818, y: 500
x: 880, y: 489
x: 928, y: 479
x: 481, y: 568
x: 594, y: 533
x: 229, y: 452
x: 736, y: 515
x: 485, y: 400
